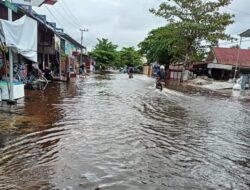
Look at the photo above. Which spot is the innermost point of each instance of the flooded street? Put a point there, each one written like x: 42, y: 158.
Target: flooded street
x: 112, y: 133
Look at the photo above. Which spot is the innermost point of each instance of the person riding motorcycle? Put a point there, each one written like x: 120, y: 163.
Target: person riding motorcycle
x: 130, y: 72
x: 161, y: 77
x: 81, y: 69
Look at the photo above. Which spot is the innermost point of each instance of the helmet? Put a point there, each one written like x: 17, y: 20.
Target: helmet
x: 162, y: 67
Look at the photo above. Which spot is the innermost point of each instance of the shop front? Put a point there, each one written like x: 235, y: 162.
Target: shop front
x: 18, y: 44
x: 69, y: 57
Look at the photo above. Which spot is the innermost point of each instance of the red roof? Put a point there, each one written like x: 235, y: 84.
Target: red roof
x: 228, y: 56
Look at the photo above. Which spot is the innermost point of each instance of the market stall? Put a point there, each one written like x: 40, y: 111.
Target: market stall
x: 20, y: 37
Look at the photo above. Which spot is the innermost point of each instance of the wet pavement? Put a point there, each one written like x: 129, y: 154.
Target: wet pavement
x: 112, y: 133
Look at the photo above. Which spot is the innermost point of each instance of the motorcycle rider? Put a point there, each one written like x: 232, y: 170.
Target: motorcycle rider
x: 130, y: 72
x: 161, y: 76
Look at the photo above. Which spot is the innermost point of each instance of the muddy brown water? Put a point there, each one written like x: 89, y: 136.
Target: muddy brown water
x: 112, y: 133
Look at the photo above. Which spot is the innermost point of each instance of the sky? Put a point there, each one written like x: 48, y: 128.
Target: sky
x: 125, y: 22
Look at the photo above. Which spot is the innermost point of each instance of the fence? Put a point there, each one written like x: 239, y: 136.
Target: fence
x: 148, y: 70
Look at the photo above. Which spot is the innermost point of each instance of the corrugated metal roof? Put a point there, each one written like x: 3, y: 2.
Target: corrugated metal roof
x: 228, y: 56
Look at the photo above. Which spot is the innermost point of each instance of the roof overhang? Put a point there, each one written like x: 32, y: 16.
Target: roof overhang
x: 70, y: 39
x: 219, y: 66
x: 36, y: 3
x: 245, y: 34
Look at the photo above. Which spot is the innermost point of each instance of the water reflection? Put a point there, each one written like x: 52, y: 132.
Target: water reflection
x: 27, y: 162
x: 109, y: 132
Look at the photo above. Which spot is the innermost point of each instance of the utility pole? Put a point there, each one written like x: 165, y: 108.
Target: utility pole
x: 237, y: 61
x: 82, y: 30
x: 11, y: 94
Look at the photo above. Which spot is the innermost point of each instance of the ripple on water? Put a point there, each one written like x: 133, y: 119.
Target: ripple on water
x: 114, y: 133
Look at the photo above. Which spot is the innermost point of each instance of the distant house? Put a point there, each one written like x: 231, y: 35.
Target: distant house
x: 224, y: 64
x: 70, y: 48
x: 88, y: 62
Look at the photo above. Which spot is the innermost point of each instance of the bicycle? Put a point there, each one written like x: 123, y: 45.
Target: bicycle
x: 20, y: 73
x: 38, y: 82
x: 35, y: 80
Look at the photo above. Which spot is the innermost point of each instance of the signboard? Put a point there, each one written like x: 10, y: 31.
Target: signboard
x: 10, y: 5
x: 35, y: 3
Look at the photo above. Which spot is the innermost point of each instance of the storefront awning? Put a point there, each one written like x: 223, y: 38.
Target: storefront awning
x: 21, y: 36
x: 219, y: 66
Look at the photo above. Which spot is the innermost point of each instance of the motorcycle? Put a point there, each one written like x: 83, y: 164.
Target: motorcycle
x: 130, y: 75
x: 48, y: 74
x: 159, y: 84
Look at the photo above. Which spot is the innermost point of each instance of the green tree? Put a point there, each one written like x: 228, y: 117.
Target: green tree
x: 130, y: 57
x: 164, y: 45
x: 200, y: 22
x: 105, y: 53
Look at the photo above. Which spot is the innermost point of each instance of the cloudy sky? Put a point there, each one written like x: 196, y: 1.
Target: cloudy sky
x: 124, y: 22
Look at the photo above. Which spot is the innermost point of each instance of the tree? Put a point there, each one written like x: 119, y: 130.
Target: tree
x: 164, y: 45
x: 105, y: 53
x: 130, y: 57
x: 200, y: 21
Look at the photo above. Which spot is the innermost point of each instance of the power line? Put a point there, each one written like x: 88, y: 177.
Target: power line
x: 65, y: 18
x: 73, y: 20
x: 238, y: 11
x: 53, y: 16
x: 59, y: 21
x: 230, y: 43
x: 238, y: 32
x: 64, y: 14
x: 70, y: 12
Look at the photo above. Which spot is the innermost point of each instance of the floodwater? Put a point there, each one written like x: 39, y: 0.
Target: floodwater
x: 109, y: 132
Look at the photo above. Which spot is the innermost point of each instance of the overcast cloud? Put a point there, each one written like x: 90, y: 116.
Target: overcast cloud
x: 124, y: 22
